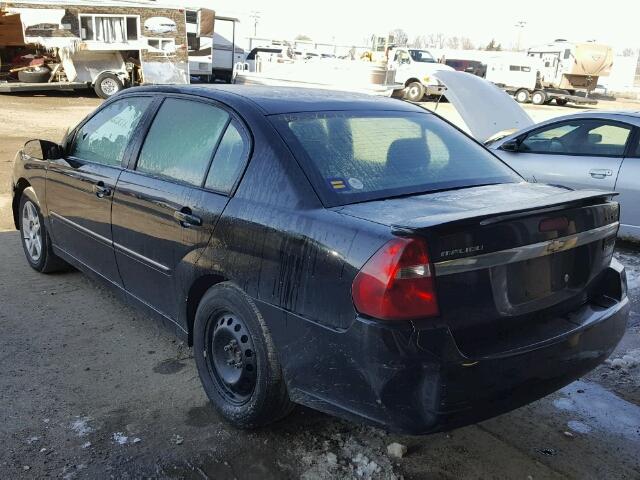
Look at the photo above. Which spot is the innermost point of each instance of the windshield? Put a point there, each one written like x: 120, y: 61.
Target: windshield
x: 422, y: 56
x: 359, y: 156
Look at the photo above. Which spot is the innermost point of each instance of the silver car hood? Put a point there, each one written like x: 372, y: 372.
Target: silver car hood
x: 485, y: 108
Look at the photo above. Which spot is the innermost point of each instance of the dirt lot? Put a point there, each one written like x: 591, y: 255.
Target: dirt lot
x: 93, y: 389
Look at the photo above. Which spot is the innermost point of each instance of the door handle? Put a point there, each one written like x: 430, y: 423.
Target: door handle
x: 600, y: 172
x: 101, y: 190
x: 186, y: 218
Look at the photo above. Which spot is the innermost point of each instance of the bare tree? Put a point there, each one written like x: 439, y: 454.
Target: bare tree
x: 400, y: 37
x: 420, y: 42
x: 453, y: 43
x: 629, y: 52
x: 466, y: 43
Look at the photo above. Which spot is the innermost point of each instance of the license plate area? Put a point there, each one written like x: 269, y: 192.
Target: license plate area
x: 536, y: 283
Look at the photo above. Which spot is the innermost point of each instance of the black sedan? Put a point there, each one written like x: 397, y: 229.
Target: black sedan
x: 360, y: 256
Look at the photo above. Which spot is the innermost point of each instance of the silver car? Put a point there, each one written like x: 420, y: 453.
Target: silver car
x: 585, y: 150
x: 590, y: 150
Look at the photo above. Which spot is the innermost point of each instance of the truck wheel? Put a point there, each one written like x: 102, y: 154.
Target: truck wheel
x: 107, y: 85
x: 414, y: 92
x: 522, y: 96
x: 561, y: 101
x: 538, y: 97
x: 236, y: 359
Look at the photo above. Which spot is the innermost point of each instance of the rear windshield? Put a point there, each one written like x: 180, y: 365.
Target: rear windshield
x: 358, y: 156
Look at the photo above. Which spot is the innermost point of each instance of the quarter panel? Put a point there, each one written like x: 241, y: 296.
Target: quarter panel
x: 279, y: 244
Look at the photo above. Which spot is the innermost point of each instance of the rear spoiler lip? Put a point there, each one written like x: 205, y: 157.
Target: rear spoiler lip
x: 495, y: 214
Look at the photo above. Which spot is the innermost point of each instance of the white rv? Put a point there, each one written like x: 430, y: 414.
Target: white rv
x: 213, y: 48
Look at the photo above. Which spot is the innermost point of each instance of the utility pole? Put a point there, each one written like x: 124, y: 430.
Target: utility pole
x: 255, y: 16
x: 520, y: 24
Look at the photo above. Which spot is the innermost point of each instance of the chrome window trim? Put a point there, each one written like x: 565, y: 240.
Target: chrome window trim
x: 526, y: 252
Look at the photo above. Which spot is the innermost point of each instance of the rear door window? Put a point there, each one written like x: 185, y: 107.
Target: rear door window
x: 229, y: 160
x: 356, y: 156
x: 181, y: 141
x: 105, y: 136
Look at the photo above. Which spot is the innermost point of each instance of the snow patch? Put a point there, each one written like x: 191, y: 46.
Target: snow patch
x: 81, y: 426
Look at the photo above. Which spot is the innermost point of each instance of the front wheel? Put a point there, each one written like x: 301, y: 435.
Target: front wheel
x: 414, y: 92
x: 35, y: 238
x: 236, y: 359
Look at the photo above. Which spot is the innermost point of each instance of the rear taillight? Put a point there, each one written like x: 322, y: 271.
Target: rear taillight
x: 397, y: 283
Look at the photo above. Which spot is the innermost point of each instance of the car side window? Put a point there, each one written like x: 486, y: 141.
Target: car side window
x: 105, y: 136
x: 228, y: 161
x: 181, y: 140
x: 579, y: 137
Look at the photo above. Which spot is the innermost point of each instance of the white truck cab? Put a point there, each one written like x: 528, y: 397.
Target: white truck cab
x: 414, y: 68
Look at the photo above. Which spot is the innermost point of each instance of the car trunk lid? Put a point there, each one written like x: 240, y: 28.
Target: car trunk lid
x: 508, y: 253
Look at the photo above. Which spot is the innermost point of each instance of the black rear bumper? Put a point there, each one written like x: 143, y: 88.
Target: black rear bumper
x: 416, y: 380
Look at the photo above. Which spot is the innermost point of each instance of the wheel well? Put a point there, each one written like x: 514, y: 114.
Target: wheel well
x: 411, y: 80
x: 18, y: 189
x: 196, y: 292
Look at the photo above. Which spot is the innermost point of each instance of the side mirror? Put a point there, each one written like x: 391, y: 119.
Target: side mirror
x: 42, y: 150
x: 510, y: 146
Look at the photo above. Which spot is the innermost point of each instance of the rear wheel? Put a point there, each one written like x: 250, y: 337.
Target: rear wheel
x: 414, y: 92
x: 561, y: 101
x: 538, y: 97
x: 35, y: 239
x: 522, y: 95
x: 236, y: 359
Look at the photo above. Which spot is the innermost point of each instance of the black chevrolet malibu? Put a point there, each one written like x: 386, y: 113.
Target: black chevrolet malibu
x: 360, y: 256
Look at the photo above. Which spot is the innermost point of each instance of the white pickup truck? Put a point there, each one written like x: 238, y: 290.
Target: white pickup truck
x: 414, y: 68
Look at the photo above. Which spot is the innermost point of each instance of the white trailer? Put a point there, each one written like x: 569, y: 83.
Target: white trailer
x: 521, y: 75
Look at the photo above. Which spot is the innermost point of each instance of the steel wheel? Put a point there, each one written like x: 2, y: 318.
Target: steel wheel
x: 109, y: 86
x: 231, y: 358
x: 32, y: 231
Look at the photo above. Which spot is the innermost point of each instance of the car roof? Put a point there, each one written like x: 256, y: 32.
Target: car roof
x: 610, y: 114
x: 279, y: 100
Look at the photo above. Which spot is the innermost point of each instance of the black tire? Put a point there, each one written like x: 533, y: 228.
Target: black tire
x: 538, y: 97
x: 522, y: 95
x: 37, y: 75
x: 107, y: 85
x: 232, y: 342
x: 46, y: 261
x: 561, y: 102
x: 414, y: 92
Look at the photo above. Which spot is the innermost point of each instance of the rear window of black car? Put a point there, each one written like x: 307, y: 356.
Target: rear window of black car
x: 359, y: 156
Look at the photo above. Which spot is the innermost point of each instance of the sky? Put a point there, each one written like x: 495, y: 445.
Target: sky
x: 614, y: 22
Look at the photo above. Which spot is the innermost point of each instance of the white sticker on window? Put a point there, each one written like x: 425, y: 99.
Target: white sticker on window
x: 356, y: 183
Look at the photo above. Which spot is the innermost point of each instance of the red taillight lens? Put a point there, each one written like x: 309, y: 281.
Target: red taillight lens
x: 397, y: 282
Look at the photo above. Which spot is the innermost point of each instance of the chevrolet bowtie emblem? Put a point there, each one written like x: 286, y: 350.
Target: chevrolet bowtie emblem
x: 556, y: 246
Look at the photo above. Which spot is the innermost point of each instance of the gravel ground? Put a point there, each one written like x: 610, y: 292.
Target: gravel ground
x: 91, y: 388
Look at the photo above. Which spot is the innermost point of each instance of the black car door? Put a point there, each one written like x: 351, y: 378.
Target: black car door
x: 80, y: 186
x: 166, y: 205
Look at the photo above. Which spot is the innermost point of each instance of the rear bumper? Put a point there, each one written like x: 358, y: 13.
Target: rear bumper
x: 415, y: 380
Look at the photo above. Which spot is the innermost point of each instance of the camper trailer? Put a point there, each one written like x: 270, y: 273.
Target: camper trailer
x: 572, y: 66
x: 213, y: 49
x: 74, y: 44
